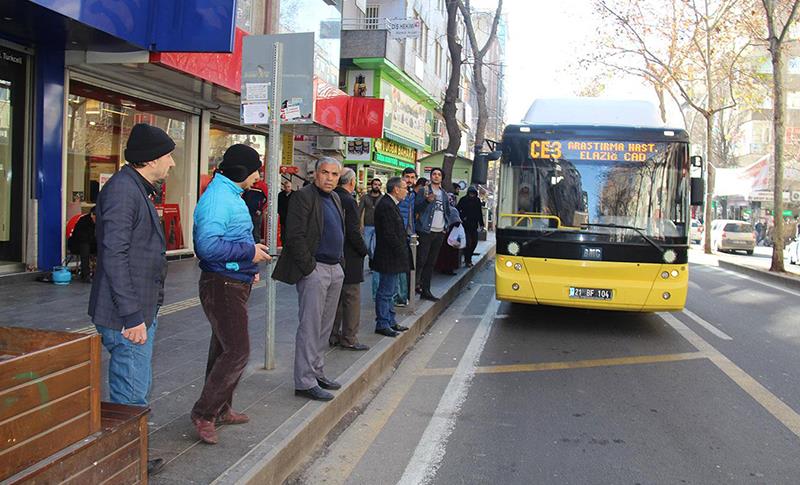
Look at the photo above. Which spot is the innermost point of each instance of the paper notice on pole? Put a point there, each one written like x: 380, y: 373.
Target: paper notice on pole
x: 255, y: 114
x: 290, y: 113
x: 255, y: 92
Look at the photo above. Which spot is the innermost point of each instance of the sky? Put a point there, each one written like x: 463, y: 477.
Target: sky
x: 544, y: 39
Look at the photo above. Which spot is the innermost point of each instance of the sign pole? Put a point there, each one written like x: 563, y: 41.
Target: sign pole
x: 273, y: 186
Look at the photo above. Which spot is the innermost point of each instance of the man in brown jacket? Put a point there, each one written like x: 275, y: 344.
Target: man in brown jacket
x: 313, y: 252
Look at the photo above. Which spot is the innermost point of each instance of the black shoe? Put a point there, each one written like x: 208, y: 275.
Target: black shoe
x: 399, y: 328
x: 354, y: 347
x: 386, y: 332
x: 428, y: 296
x: 326, y: 383
x: 155, y: 466
x: 315, y: 393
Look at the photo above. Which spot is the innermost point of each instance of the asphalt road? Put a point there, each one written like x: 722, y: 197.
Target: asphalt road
x: 501, y: 393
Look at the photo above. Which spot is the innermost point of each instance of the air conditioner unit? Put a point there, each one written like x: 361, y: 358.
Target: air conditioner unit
x: 330, y: 143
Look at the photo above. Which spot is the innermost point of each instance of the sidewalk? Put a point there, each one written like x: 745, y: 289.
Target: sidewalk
x: 283, y: 428
x: 755, y: 265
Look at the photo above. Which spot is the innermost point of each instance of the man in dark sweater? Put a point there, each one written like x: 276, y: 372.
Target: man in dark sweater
x: 313, y: 251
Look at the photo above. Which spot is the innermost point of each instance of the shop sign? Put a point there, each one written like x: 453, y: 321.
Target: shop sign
x: 395, y: 150
x: 391, y: 161
x: 289, y: 169
x: 287, y: 152
x: 403, y: 116
x: 358, y: 149
x: 403, y: 28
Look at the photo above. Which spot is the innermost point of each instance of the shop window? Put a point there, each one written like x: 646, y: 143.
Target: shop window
x: 98, y: 125
x: 223, y: 136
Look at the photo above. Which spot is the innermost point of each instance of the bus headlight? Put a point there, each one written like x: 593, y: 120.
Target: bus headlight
x: 675, y: 273
x: 509, y: 264
x: 665, y: 275
x: 515, y: 286
x: 513, y: 248
x: 666, y: 295
x: 518, y: 267
x: 670, y: 256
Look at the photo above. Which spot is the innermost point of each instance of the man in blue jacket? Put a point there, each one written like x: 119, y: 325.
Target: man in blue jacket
x: 432, y: 206
x: 229, y: 257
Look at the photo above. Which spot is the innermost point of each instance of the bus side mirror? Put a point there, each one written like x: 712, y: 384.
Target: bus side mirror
x: 697, y: 186
x: 480, y: 166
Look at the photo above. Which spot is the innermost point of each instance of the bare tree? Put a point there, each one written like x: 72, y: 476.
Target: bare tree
x: 711, y: 39
x: 456, y: 49
x: 777, y: 13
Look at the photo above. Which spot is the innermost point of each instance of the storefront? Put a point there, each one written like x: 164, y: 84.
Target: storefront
x: 407, y: 121
x: 14, y: 113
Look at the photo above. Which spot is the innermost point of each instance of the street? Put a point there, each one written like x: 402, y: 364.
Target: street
x: 501, y: 393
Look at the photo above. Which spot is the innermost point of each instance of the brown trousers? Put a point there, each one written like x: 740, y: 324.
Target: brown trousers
x: 224, y: 302
x: 348, y: 315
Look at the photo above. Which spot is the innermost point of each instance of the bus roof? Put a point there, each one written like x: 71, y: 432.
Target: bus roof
x: 594, y: 112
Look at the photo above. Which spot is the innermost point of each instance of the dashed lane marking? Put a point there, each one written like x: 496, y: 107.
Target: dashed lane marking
x: 705, y: 324
x: 577, y: 364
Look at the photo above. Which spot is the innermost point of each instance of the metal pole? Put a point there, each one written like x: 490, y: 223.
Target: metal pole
x: 273, y: 179
x: 412, y: 296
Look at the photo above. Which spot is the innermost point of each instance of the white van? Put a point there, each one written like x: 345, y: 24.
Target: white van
x: 731, y: 235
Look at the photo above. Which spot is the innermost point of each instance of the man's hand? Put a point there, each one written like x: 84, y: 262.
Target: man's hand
x: 137, y: 334
x: 262, y: 254
x: 430, y: 197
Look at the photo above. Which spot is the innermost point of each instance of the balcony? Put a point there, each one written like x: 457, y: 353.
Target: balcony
x: 363, y: 38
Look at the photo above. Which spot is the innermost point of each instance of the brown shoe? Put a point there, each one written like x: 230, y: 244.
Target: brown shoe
x: 232, y: 417
x: 205, y: 430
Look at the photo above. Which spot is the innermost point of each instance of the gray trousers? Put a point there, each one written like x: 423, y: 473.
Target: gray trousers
x: 348, y: 315
x: 318, y: 297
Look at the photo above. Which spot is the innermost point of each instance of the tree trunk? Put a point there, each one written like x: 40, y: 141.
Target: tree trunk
x: 778, y: 108
x: 449, y: 109
x: 483, y: 110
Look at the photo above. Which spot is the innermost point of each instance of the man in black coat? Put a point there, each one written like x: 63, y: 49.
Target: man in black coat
x: 313, y: 251
x: 348, y: 314
x: 84, y: 242
x: 392, y: 255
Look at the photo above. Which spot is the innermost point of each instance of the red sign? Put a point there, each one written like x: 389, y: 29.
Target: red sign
x: 221, y: 69
x: 290, y: 169
x: 348, y: 115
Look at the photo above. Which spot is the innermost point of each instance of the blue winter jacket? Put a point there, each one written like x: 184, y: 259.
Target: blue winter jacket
x: 223, y: 231
x: 424, y: 211
x: 406, y: 207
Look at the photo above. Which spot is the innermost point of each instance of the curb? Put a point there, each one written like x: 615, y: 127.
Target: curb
x: 789, y: 281
x: 274, y: 459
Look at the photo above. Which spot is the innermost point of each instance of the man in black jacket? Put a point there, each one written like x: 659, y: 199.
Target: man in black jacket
x: 348, y: 314
x: 313, y: 251
x: 84, y: 242
x: 392, y: 255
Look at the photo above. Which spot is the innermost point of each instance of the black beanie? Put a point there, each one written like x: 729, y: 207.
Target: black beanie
x: 239, y: 162
x: 147, y: 143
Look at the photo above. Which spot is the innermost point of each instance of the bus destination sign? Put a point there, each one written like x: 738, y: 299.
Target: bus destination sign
x: 612, y: 151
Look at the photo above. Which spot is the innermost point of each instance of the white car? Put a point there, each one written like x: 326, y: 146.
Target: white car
x: 731, y: 235
x: 696, y: 232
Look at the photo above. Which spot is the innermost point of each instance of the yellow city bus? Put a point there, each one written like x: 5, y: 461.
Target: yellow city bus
x: 594, y: 207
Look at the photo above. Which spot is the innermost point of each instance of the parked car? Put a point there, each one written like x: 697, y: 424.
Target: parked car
x: 794, y: 252
x: 696, y: 232
x: 731, y: 235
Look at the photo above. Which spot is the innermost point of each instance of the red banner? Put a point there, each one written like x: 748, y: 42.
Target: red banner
x: 221, y: 69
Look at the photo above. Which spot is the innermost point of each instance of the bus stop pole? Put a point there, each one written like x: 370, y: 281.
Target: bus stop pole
x: 412, y: 296
x: 273, y: 179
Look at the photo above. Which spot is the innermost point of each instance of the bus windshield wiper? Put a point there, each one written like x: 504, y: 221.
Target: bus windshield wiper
x: 544, y: 234
x: 632, y: 228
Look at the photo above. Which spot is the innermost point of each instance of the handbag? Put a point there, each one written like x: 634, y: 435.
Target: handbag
x: 457, y: 237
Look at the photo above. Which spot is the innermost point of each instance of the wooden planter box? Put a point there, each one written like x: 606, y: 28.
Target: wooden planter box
x: 49, y: 391
x: 116, y: 455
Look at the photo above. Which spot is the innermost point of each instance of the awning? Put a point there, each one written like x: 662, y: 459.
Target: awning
x: 743, y: 180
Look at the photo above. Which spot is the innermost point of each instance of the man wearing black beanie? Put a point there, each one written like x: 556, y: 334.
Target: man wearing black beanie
x: 128, y: 286
x: 229, y: 257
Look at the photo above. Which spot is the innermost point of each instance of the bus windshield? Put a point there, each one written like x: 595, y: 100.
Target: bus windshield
x: 569, y: 185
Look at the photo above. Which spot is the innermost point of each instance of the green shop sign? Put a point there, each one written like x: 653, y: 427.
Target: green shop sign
x: 391, y: 161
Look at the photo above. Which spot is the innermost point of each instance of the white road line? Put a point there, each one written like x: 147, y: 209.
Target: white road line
x: 769, y: 401
x: 705, y: 324
x: 431, y: 448
x: 758, y: 281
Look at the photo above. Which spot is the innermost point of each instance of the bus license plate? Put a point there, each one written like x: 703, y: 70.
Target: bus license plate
x: 590, y: 293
